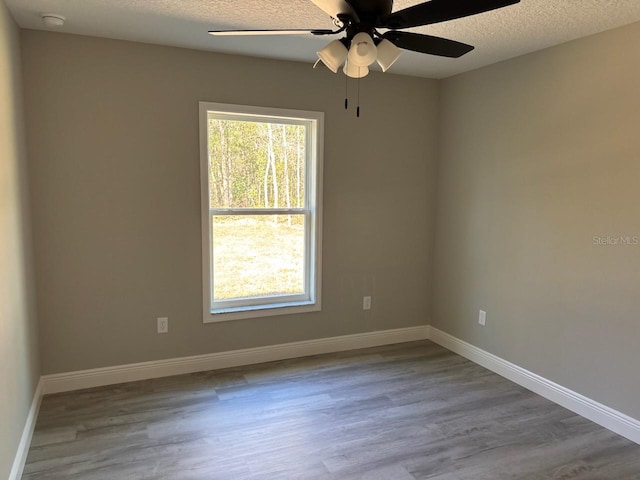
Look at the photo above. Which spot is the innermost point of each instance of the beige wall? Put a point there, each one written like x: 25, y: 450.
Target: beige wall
x: 538, y: 155
x: 19, y: 366
x: 113, y: 137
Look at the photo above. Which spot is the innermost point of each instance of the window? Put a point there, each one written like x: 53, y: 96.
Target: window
x: 261, y: 172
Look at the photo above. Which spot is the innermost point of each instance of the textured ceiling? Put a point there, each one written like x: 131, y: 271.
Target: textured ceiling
x: 498, y: 35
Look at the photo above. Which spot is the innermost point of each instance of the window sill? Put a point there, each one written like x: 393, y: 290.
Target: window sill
x: 240, y: 313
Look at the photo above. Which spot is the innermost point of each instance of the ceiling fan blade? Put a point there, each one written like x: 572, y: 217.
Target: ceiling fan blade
x: 440, y: 11
x: 295, y: 31
x: 337, y: 8
x: 427, y: 44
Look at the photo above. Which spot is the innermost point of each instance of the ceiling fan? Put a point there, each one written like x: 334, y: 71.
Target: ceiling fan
x: 364, y: 44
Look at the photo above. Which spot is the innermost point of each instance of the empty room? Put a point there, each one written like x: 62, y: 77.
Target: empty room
x: 319, y: 239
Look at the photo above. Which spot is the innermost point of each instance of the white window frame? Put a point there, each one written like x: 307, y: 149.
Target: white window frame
x: 310, y: 301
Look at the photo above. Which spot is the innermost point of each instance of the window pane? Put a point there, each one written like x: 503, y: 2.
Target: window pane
x: 258, y: 255
x: 256, y: 164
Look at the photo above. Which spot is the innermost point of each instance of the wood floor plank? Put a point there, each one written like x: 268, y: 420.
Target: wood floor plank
x: 399, y: 412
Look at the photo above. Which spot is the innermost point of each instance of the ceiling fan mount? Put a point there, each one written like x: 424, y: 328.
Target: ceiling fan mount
x: 362, y: 20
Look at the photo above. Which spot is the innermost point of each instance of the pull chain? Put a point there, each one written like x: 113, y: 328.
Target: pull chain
x: 358, y: 106
x: 346, y: 91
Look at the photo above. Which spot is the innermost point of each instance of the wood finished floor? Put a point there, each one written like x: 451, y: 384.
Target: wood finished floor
x: 401, y: 412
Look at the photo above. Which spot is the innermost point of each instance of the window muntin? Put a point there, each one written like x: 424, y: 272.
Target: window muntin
x: 261, y: 183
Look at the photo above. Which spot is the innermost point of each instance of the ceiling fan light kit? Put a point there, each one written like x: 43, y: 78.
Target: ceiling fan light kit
x: 362, y: 53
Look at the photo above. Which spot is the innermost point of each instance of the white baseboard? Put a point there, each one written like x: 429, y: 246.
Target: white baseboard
x: 601, y: 414
x: 605, y: 416
x: 27, y: 432
x: 64, y: 382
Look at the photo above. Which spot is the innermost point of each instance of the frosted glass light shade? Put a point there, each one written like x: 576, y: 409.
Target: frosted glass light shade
x: 354, y: 71
x: 388, y: 53
x: 333, y: 55
x: 363, y: 51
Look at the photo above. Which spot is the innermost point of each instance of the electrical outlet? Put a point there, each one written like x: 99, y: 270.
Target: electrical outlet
x: 482, y: 318
x: 163, y: 325
x: 366, y: 303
